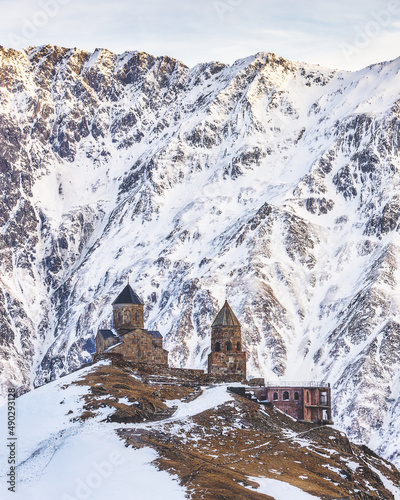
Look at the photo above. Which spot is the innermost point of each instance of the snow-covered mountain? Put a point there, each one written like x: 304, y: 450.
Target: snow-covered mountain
x: 270, y: 183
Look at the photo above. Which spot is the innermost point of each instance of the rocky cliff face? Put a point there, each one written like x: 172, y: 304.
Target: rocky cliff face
x: 269, y: 183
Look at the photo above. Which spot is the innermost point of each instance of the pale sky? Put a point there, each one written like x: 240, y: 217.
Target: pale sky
x: 335, y: 33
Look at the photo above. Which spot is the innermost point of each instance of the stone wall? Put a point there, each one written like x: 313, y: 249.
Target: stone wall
x: 223, y: 337
x: 227, y: 363
x: 157, y: 342
x: 128, y: 316
x: 139, y: 346
x: 183, y: 375
x: 102, y: 344
x: 197, y: 377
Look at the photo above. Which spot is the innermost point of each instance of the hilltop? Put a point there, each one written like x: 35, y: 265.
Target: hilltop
x: 108, y: 430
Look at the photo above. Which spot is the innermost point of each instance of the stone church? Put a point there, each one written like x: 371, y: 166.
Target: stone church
x: 226, y: 361
x: 129, y: 336
x: 227, y: 356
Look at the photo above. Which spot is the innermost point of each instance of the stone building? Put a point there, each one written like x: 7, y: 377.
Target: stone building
x: 105, y: 339
x: 129, y: 337
x: 226, y: 356
x: 309, y: 403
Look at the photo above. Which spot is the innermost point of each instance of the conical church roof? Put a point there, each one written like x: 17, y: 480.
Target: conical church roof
x: 128, y: 296
x: 226, y: 317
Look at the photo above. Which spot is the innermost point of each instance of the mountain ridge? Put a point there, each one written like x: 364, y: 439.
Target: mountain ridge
x: 270, y: 183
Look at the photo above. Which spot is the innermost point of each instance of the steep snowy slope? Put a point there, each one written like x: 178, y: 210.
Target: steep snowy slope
x: 269, y: 183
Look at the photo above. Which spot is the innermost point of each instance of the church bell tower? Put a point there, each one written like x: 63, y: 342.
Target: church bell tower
x: 127, y: 311
x: 226, y: 356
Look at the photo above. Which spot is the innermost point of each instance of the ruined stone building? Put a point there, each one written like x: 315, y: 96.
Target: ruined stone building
x: 309, y: 403
x: 128, y: 336
x: 226, y: 356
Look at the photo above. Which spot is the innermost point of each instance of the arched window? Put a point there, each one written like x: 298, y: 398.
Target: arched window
x: 217, y: 346
x: 136, y: 317
x: 238, y: 346
x: 285, y: 396
x: 275, y: 396
x: 229, y: 346
x: 296, y: 396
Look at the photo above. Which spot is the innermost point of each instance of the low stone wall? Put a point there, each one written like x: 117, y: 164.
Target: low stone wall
x: 212, y: 378
x: 256, y: 382
x: 198, y: 376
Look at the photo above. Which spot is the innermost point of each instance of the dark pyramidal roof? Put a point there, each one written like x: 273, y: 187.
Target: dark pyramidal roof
x: 128, y: 296
x: 155, y: 333
x: 226, y: 317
